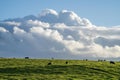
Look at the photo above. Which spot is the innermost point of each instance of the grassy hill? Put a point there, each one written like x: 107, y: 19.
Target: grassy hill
x: 37, y: 69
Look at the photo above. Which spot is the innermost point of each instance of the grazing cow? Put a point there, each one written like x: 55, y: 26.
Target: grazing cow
x: 26, y: 57
x: 66, y: 62
x: 112, y: 62
x: 50, y: 63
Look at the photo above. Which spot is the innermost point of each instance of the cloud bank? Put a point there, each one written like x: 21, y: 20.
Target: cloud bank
x: 59, y: 35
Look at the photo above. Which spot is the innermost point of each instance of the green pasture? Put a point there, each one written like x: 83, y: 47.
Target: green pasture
x: 37, y: 69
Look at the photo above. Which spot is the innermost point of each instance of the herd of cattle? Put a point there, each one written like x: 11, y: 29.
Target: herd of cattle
x: 50, y: 63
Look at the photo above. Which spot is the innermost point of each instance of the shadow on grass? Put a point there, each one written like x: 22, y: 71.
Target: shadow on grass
x: 52, y: 69
x: 104, y: 71
x: 55, y: 69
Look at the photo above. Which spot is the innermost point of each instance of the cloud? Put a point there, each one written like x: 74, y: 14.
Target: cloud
x: 13, y: 23
x: 38, y: 23
x: 59, y: 35
x: 107, y: 41
x: 3, y: 29
x: 48, y: 15
x: 69, y: 18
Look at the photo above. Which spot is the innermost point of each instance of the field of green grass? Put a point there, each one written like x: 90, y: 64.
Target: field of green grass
x: 37, y: 69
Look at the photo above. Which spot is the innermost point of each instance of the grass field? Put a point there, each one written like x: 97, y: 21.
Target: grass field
x: 37, y: 69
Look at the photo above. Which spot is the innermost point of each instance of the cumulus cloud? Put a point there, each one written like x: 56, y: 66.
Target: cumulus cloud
x: 59, y: 35
x: 38, y: 23
x: 69, y: 18
x: 48, y: 15
x: 13, y: 23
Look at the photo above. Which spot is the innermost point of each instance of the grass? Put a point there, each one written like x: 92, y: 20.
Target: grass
x: 37, y: 69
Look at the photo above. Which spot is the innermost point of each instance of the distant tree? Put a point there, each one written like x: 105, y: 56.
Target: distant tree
x: 26, y: 57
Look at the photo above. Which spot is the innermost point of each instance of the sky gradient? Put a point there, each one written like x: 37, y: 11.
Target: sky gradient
x: 99, y: 12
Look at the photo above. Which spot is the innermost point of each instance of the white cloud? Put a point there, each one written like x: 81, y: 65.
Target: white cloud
x: 13, y: 23
x: 53, y: 34
x: 38, y: 23
x: 69, y: 18
x: 3, y: 29
x: 48, y: 15
x: 59, y: 35
x: 48, y: 11
x: 18, y: 30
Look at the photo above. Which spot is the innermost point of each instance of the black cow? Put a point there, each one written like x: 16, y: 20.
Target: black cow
x: 50, y: 63
x: 112, y: 62
x: 66, y: 62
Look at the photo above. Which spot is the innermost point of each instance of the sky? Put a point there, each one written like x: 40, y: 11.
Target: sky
x: 99, y: 12
x: 62, y: 29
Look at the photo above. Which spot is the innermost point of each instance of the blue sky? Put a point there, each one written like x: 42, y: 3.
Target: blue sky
x: 99, y: 12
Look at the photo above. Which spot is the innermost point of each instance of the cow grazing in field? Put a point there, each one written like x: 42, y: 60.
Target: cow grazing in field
x: 66, y: 62
x: 112, y: 62
x: 50, y: 63
x: 26, y: 57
